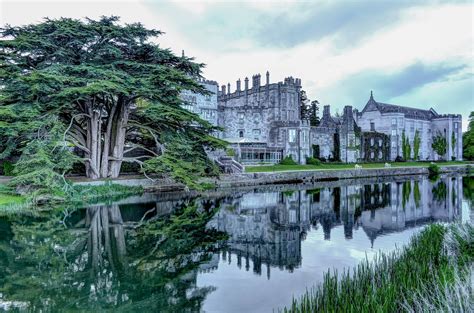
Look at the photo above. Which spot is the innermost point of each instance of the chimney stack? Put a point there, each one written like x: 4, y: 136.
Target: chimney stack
x: 246, y: 83
x: 238, y: 84
x: 326, y: 111
x: 228, y: 88
x: 223, y: 89
x: 268, y: 78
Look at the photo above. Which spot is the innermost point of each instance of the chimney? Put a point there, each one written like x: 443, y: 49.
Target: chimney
x: 238, y: 84
x: 256, y: 81
x: 246, y: 83
x: 326, y: 111
x: 228, y: 88
x: 268, y: 78
x: 223, y: 89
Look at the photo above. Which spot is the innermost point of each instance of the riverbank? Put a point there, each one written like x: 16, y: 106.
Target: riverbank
x: 431, y: 274
x: 138, y: 184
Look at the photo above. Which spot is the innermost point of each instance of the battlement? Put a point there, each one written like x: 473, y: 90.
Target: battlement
x: 226, y: 93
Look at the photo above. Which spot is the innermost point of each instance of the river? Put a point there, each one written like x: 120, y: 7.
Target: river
x: 241, y: 250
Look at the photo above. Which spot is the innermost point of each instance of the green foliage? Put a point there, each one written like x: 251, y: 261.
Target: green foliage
x: 434, y: 170
x: 41, y: 167
x: 406, y: 147
x: 185, y: 160
x: 230, y: 152
x: 439, y: 144
x: 288, y: 160
x: 8, y: 168
x: 313, y: 161
x: 314, y: 113
x: 392, y: 280
x: 95, y: 78
x: 468, y: 139
x: 416, y: 145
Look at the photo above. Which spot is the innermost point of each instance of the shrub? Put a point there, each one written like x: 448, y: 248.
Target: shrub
x: 288, y: 160
x: 8, y: 168
x: 453, y: 158
x: 433, y: 169
x: 313, y: 161
x: 322, y: 159
x: 230, y: 152
x: 399, y: 159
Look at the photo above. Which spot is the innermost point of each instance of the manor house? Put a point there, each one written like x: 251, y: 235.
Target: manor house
x: 263, y: 124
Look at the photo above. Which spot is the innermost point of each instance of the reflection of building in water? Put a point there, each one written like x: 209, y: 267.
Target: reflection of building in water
x: 267, y: 228
x: 414, y: 203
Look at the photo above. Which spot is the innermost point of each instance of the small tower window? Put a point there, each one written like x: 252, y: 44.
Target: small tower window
x: 241, y: 133
x: 372, y: 126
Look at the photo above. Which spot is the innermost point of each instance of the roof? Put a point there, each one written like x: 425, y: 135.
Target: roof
x: 414, y: 113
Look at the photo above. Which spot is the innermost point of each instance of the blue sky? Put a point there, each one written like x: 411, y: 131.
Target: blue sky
x: 415, y: 53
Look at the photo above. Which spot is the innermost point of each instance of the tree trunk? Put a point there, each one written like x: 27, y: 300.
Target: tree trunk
x: 106, y: 144
x: 118, y: 140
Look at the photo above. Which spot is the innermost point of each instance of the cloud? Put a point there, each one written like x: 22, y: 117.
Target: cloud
x: 346, y: 21
x: 445, y: 86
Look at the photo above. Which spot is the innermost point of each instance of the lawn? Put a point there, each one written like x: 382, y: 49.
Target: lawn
x: 7, y: 198
x: 341, y: 166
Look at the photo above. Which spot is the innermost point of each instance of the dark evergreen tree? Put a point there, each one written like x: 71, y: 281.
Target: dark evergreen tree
x: 111, y: 89
x: 314, y: 113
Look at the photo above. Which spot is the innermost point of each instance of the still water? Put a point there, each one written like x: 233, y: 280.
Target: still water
x: 247, y: 250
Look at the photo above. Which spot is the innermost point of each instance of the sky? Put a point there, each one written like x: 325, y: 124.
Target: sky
x: 413, y: 53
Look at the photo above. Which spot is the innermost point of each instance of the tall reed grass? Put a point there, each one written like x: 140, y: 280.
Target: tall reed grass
x: 439, y: 260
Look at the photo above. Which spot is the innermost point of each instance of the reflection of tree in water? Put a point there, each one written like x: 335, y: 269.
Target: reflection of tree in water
x: 440, y: 191
x: 109, y: 264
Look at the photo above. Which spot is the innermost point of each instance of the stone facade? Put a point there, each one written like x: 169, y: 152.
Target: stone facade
x: 394, y: 121
x: 203, y: 105
x: 263, y: 124
x: 264, y: 113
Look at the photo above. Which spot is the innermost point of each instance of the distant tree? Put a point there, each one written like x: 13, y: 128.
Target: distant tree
x: 304, y: 106
x: 416, y: 145
x: 468, y: 139
x: 314, y: 113
x: 114, y: 93
x: 439, y: 144
x: 406, y: 147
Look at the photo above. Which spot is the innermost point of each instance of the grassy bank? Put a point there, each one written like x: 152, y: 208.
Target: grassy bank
x: 433, y: 267
x: 339, y: 166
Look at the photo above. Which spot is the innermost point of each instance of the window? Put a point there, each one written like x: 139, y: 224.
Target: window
x: 256, y: 133
x: 455, y: 125
x: 394, y: 132
x: 394, y: 122
x: 380, y: 142
x: 305, y: 136
x: 372, y: 126
x: 292, y: 135
x: 372, y: 142
x: 372, y: 155
x: 241, y: 116
x: 380, y: 155
x: 241, y: 133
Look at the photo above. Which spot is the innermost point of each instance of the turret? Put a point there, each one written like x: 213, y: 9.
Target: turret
x: 228, y: 88
x: 238, y: 84
x: 256, y: 81
x: 246, y: 83
x: 223, y: 90
x: 268, y: 78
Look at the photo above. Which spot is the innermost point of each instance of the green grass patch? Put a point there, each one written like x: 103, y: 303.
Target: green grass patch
x: 339, y: 166
x: 439, y: 256
x: 7, y: 196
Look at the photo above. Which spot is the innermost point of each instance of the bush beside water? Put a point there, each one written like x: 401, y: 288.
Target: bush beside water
x: 288, y: 160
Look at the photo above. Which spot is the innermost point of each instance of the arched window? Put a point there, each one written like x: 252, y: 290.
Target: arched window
x: 241, y: 133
